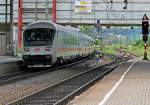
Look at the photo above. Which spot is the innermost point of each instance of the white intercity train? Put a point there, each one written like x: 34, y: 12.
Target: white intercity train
x: 47, y: 43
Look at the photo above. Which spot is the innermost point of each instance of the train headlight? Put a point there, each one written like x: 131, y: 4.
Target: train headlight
x: 26, y: 49
x: 47, y: 49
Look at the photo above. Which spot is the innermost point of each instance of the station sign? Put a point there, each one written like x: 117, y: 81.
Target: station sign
x: 83, y: 6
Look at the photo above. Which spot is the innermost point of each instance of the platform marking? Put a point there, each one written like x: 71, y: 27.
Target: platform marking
x: 107, y: 96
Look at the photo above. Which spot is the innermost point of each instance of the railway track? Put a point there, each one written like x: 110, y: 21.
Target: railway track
x: 12, y: 77
x: 18, y: 76
x: 60, y: 93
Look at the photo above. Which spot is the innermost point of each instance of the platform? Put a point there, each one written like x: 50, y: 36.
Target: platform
x: 7, y: 59
x: 129, y: 84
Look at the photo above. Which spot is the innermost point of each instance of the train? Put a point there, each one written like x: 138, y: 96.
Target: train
x: 46, y: 44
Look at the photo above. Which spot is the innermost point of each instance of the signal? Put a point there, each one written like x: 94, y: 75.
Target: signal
x: 145, y: 27
x: 145, y: 32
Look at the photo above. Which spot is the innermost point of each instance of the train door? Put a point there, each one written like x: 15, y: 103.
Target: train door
x: 59, y: 44
x: 80, y: 47
x: 89, y: 46
x: 55, y: 45
x: 64, y: 45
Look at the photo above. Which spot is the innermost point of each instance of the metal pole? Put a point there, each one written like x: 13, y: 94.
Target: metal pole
x: 46, y: 12
x: 19, y: 24
x: 11, y: 22
x: 36, y: 11
x: 94, y: 11
x: 6, y: 28
x: 6, y: 11
x: 145, y: 51
x: 71, y: 13
x: 54, y: 11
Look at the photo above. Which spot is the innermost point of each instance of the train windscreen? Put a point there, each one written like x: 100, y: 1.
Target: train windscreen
x: 38, y: 37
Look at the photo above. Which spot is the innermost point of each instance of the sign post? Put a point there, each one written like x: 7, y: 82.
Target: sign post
x: 99, y: 35
x: 145, y: 32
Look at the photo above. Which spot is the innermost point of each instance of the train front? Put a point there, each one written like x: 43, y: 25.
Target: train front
x: 37, y: 44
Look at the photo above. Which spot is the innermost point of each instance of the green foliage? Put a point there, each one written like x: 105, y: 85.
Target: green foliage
x: 97, y: 42
x: 148, y: 40
x: 111, y: 49
x: 138, y: 43
x: 134, y: 48
x: 108, y: 49
x: 86, y: 29
x: 114, y: 42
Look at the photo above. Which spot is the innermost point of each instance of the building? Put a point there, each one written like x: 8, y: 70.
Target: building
x: 84, y: 11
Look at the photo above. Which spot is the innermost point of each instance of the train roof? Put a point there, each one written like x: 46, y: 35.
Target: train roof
x: 48, y: 24
x: 39, y: 24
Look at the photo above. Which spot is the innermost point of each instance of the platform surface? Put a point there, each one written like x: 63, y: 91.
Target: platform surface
x: 6, y: 59
x: 129, y: 84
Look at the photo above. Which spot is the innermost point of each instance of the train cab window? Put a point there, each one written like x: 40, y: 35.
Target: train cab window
x: 38, y: 37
